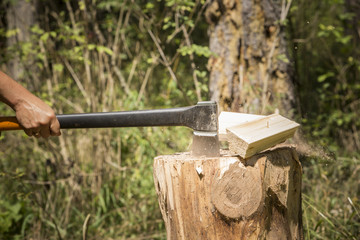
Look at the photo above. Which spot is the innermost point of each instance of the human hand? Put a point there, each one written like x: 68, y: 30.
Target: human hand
x: 36, y: 117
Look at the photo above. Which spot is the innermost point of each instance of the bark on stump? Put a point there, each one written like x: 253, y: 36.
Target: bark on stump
x: 230, y: 198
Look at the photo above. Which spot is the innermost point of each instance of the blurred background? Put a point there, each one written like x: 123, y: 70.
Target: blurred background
x: 298, y: 57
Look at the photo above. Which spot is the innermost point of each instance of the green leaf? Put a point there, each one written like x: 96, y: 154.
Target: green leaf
x: 58, y: 67
x: 81, y: 5
x: 201, y: 74
x: 44, y: 37
x: 339, y: 122
x: 149, y: 60
x: 283, y: 58
x: 12, y: 32
x: 102, y: 49
x: 53, y: 34
x: 149, y: 5
x: 346, y: 16
x: 344, y: 40
x: 325, y: 76
x: 36, y: 29
x: 91, y: 46
x: 167, y: 19
x: 197, y: 49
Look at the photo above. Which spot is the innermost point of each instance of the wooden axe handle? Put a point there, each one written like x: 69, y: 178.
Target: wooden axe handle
x: 9, y: 123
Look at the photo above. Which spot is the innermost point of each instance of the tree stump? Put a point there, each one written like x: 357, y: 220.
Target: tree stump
x: 228, y: 197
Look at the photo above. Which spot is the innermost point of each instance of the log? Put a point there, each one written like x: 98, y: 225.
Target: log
x: 228, y: 197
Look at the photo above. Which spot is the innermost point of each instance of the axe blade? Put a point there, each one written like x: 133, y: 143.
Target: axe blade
x: 206, y: 141
x: 205, y: 144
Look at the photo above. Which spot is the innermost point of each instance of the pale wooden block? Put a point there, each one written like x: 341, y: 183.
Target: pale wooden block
x: 231, y: 119
x: 252, y: 137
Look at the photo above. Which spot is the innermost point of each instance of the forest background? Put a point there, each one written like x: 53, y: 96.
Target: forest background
x: 94, y: 56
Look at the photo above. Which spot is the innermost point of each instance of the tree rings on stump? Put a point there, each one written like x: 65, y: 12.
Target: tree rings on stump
x: 238, y: 193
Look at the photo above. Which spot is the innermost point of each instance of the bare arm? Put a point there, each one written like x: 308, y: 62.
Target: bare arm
x: 35, y: 116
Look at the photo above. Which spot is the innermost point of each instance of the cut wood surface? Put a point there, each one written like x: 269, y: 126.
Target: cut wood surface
x: 255, y: 136
x: 231, y: 119
x: 228, y: 198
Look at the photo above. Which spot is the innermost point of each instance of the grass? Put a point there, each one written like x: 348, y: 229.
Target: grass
x: 96, y: 192
x: 331, y: 203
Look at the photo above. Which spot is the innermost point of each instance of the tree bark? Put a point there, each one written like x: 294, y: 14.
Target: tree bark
x: 230, y: 198
x: 353, y: 7
x: 250, y: 71
x: 20, y: 15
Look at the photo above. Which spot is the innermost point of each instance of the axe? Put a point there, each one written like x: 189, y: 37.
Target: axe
x: 202, y: 118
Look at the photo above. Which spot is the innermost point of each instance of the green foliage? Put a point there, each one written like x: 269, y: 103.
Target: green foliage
x: 87, y: 56
x: 328, y: 52
x: 198, y: 50
x: 336, y: 32
x: 9, y: 216
x: 325, y: 50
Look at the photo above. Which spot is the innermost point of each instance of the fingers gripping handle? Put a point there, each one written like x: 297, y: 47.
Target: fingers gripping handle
x: 9, y: 123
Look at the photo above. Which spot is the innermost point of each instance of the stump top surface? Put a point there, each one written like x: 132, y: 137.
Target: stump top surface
x: 187, y: 156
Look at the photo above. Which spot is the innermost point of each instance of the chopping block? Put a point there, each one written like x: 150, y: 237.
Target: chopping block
x: 228, y: 197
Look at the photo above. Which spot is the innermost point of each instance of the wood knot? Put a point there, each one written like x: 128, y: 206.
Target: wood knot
x: 238, y: 193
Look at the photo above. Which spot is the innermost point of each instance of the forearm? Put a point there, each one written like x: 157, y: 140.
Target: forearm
x: 11, y: 92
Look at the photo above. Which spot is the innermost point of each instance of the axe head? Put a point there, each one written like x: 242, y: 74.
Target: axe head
x: 205, y: 126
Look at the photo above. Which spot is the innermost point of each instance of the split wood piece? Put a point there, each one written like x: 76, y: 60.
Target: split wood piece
x: 231, y: 119
x: 228, y: 198
x: 252, y: 137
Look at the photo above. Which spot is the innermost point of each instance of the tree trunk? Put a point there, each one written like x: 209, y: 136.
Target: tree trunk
x: 230, y: 198
x: 353, y: 7
x: 20, y: 17
x: 251, y: 70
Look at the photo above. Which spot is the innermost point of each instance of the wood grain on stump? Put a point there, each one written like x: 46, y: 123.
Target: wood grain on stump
x: 230, y: 198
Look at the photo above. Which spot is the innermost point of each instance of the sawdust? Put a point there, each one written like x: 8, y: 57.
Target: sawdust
x: 308, y: 150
